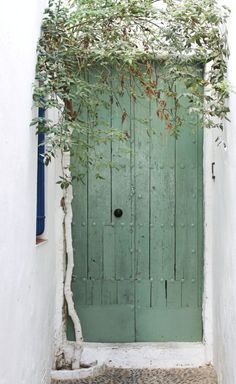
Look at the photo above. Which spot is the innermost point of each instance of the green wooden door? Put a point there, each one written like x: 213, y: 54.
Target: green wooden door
x: 138, y: 277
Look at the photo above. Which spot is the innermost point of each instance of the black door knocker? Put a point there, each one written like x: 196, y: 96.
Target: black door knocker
x: 118, y: 212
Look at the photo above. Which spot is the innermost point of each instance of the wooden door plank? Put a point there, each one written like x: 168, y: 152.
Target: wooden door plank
x: 108, y: 252
x: 141, y: 110
x: 170, y: 324
x: 79, y: 288
x: 121, y: 180
x: 97, y: 292
x: 158, y: 298
x: 186, y: 193
x: 190, y: 294
x: 200, y: 210
x: 107, y: 323
x: 93, y: 292
x: 79, y: 202
x: 109, y: 292
x: 173, y: 293
x: 79, y: 227
x: 162, y: 192
x: 89, y: 292
x: 143, y: 293
x: 125, y: 292
x: 99, y: 194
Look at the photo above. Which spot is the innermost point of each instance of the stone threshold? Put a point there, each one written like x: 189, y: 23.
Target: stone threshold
x: 200, y: 375
x: 146, y: 355
x: 139, y: 356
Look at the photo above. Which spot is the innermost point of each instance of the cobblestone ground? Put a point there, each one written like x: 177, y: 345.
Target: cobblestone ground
x: 202, y: 375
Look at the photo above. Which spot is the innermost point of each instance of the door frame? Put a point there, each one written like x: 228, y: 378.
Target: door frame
x: 199, y: 353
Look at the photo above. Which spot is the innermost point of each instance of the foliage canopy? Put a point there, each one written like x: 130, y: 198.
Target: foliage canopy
x: 118, y: 37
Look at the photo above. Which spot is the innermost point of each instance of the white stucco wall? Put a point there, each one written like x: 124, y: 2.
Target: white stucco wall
x: 224, y: 235
x: 27, y: 284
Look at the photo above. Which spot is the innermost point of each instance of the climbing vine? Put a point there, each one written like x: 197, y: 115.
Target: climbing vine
x: 87, y: 49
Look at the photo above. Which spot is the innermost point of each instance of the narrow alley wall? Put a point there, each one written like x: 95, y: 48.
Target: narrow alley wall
x: 27, y: 284
x: 224, y: 233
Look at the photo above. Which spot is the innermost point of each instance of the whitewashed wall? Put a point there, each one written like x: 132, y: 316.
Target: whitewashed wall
x: 224, y: 235
x: 27, y: 283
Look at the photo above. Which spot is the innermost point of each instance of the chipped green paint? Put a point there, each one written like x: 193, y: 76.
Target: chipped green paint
x: 139, y: 277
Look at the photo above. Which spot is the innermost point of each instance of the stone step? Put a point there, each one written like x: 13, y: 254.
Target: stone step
x: 201, y: 375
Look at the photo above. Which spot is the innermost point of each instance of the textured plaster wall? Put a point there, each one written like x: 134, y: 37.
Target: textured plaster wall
x: 27, y: 283
x: 224, y: 235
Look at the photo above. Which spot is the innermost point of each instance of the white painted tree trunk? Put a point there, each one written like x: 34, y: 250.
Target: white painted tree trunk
x: 77, y: 347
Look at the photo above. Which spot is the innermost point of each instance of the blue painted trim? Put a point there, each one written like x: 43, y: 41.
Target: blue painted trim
x: 40, y: 224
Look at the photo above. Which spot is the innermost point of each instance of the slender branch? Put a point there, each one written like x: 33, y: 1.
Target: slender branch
x: 66, y: 205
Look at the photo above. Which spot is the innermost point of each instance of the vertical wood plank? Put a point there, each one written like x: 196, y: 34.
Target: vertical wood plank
x: 79, y: 202
x: 158, y: 294
x: 189, y: 294
x: 79, y: 292
x: 143, y: 293
x: 97, y: 292
x: 162, y: 192
x: 200, y: 210
x: 108, y: 252
x: 79, y: 227
x: 173, y: 293
x: 99, y: 196
x: 89, y: 292
x: 121, y: 180
x: 109, y: 292
x: 125, y: 292
x: 186, y: 193
x: 93, y: 292
x: 141, y: 108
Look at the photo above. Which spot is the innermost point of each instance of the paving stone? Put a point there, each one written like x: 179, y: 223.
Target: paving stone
x: 201, y: 375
